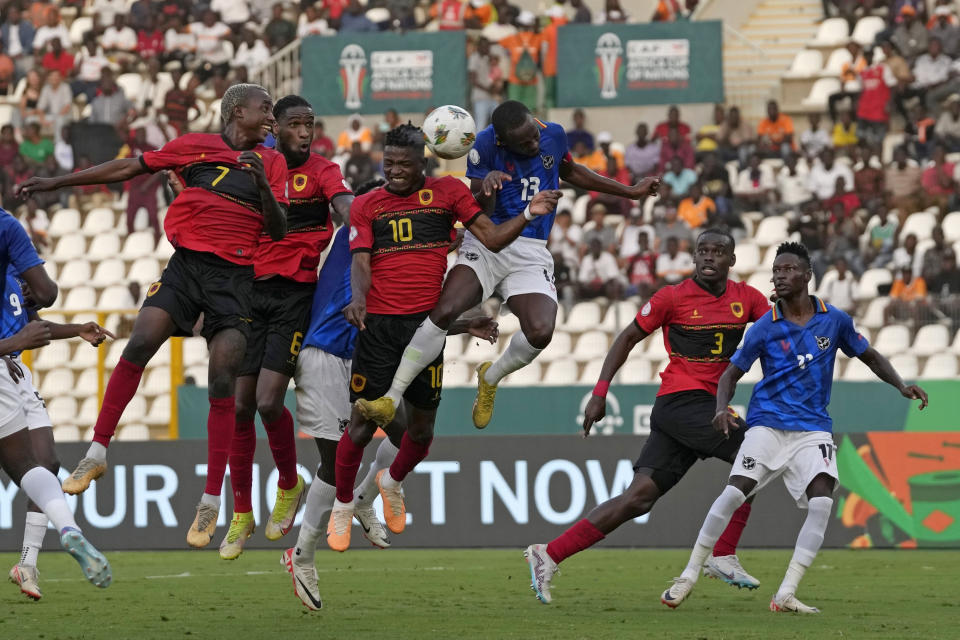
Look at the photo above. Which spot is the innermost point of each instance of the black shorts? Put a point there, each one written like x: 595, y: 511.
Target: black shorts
x: 681, y: 431
x: 280, y: 317
x: 196, y: 282
x: 377, y: 355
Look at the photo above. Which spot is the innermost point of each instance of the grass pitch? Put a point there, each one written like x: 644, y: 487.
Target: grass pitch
x: 481, y: 594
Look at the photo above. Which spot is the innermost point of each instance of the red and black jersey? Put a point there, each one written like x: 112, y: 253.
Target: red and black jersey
x: 311, y: 188
x: 700, y: 331
x: 219, y: 211
x: 408, y: 237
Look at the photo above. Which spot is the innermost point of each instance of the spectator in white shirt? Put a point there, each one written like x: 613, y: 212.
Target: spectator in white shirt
x: 311, y: 24
x: 252, y: 53
x: 89, y: 62
x: 565, y: 237
x: 907, y: 256
x: 235, y: 13
x: 814, y: 140
x: 931, y: 70
x: 55, y: 102
x: 755, y: 184
x: 599, y: 274
x: 792, y: 184
x: 105, y: 10
x: 673, y: 265
x: 211, y: 35
x: 53, y: 29
x: 178, y: 42
x: 840, y: 289
x: 822, y: 180
x: 630, y: 236
x: 120, y: 40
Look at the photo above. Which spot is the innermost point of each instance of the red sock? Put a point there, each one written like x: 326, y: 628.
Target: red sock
x: 221, y: 422
x: 727, y: 544
x: 241, y: 466
x: 574, y: 540
x: 122, y: 385
x: 408, y: 457
x: 349, y: 457
x: 283, y: 444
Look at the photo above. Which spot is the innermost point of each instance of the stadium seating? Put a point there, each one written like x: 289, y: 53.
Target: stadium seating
x: 561, y: 372
x: 75, y: 273
x: 940, y: 366
x: 920, y: 224
x: 931, y: 339
x: 456, y: 374
x: 109, y: 272
x: 519, y: 378
x: 819, y: 92
x: 806, y: 64
x: 105, y: 245
x: 870, y: 281
x: 583, y: 317
x: 635, y: 371
x: 866, y: 30
x: 63, y: 222
x: 835, y: 62
x: 833, y: 32
x: 559, y: 347
x: 590, y: 345
x: 138, y: 244
x: 892, y: 339
x: 98, y: 221
x: 771, y: 232
x: 70, y: 246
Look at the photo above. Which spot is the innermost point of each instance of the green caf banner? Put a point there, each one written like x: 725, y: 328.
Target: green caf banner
x: 370, y: 73
x: 616, y: 65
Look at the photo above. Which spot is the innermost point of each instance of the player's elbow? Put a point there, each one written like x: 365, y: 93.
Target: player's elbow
x: 46, y: 294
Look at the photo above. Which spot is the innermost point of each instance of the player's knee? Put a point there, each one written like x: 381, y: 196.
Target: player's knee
x: 270, y: 409
x: 140, y: 348
x: 444, y: 313
x: 49, y: 461
x: 539, y: 333
x: 246, y: 411
x: 221, y: 384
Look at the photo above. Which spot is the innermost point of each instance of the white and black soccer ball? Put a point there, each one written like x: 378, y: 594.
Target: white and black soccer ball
x: 449, y: 131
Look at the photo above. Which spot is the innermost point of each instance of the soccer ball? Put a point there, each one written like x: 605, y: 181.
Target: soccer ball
x: 449, y: 131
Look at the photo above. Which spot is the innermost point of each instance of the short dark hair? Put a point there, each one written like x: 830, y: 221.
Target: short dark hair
x: 406, y: 135
x: 508, y: 116
x: 289, y: 102
x: 794, y: 248
x: 719, y: 231
x: 369, y: 185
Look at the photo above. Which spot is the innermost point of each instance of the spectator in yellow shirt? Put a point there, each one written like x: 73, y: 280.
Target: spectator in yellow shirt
x: 845, y: 132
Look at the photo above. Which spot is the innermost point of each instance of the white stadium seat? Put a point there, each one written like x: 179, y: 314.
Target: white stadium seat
x: 80, y: 298
x: 873, y: 316
x: 62, y: 409
x: 635, y: 371
x: 162, y: 356
x: 70, y: 246
x: 561, y: 372
x: 198, y: 373
x: 527, y: 376
x: 508, y: 324
x: 806, y: 64
x: 893, y: 339
x: 584, y: 316
x: 866, y: 30
x: 133, y: 433
x: 56, y: 382
x: 590, y: 345
x: 85, y: 384
x: 88, y: 411
x: 931, y: 339
x: 748, y: 258
x: 771, y: 232
x: 84, y: 355
x: 591, y: 372
x: 103, y: 246
x: 80, y: 26
x: 456, y: 374
x: 75, y: 273
x: 63, y: 222
x: 906, y: 365
x: 951, y: 227
x: 136, y: 411
x: 164, y: 250
x: 144, y: 270
x: 99, y: 220
x: 819, y: 92
x: 66, y: 433
x: 559, y: 348
x: 478, y: 351
x: 137, y: 245
x: 159, y: 413
x: 52, y: 356
x: 833, y: 32
x: 941, y: 366
x: 116, y: 296
x: 131, y: 84
x: 857, y: 371
x: 116, y: 349
x: 157, y: 381
x: 920, y: 224
x: 195, y: 352
x: 870, y: 280
x: 109, y: 272
x: 835, y: 62
x: 754, y: 375
x: 760, y: 281
x: 619, y: 315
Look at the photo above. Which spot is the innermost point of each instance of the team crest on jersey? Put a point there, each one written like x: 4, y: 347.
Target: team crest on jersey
x: 426, y: 196
x: 343, y: 424
x: 749, y: 463
x: 358, y: 383
x: 646, y: 310
x: 474, y: 156
x: 353, y: 233
x: 153, y: 289
x: 823, y: 342
x: 547, y: 162
x: 299, y: 182
x: 472, y: 256
x: 737, y: 309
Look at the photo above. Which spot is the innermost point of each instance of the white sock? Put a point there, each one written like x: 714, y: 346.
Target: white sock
x: 97, y: 451
x: 808, y: 544
x: 43, y: 488
x: 426, y: 344
x: 388, y: 481
x: 342, y: 505
x: 213, y: 501
x: 367, y: 492
x: 519, y: 353
x: 320, y: 499
x: 33, y: 532
x: 716, y: 521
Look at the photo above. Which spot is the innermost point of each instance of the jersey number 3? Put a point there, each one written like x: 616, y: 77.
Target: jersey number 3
x: 531, y: 187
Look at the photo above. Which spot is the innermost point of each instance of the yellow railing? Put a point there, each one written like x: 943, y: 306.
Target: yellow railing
x: 101, y: 316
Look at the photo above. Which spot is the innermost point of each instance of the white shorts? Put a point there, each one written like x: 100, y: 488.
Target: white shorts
x: 798, y: 456
x: 11, y: 405
x: 34, y: 408
x: 323, y: 393
x: 524, y: 266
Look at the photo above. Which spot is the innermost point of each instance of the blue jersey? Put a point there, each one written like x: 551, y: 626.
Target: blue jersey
x: 14, y: 314
x: 797, y: 366
x: 329, y: 330
x: 17, y: 252
x: 529, y: 175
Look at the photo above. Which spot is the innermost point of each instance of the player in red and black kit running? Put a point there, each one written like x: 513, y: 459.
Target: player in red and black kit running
x: 286, y: 278
x: 399, y: 236
x: 703, y: 320
x: 235, y: 189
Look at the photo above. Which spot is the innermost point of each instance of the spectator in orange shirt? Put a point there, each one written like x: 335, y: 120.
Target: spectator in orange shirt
x: 523, y: 49
x: 670, y: 11
x: 775, y: 133
x: 355, y: 132
x: 549, y: 44
x: 908, y: 299
x: 695, y: 209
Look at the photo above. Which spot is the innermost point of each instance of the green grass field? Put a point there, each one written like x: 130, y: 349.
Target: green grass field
x: 482, y: 594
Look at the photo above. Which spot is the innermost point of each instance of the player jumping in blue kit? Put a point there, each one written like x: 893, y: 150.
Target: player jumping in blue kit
x: 789, y: 430
x: 513, y: 159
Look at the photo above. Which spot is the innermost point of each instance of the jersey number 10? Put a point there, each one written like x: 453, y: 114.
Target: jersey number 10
x: 402, y: 229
